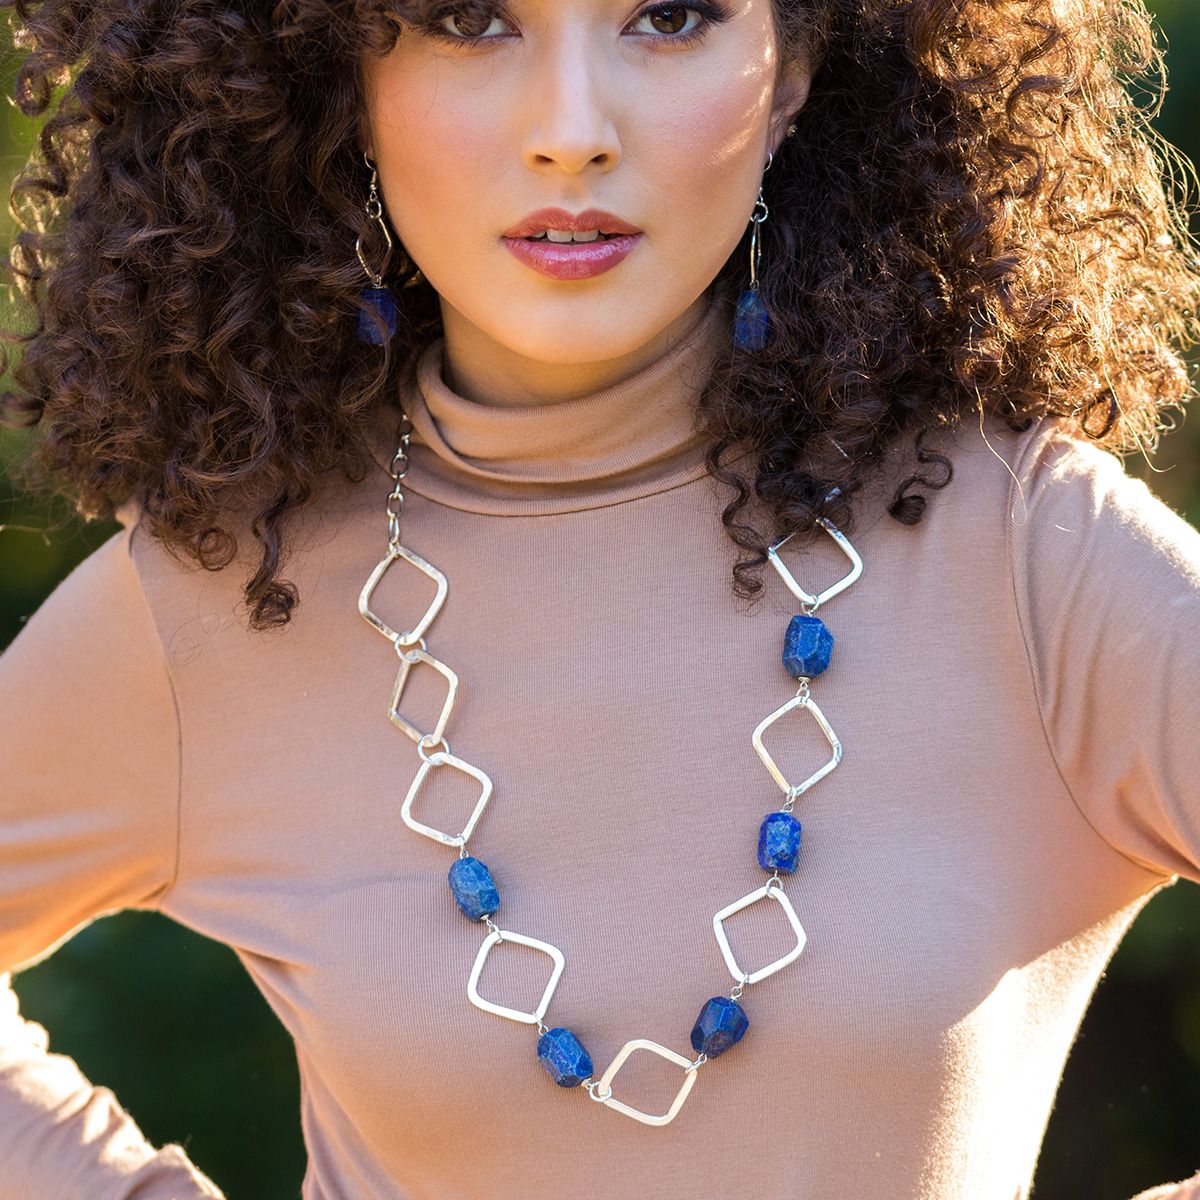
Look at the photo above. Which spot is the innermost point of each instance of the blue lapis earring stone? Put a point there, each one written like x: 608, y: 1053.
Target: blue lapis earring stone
x: 721, y: 1022
x: 383, y: 301
x: 779, y: 842
x: 752, y: 323
x: 807, y: 646
x: 563, y: 1056
x: 473, y: 887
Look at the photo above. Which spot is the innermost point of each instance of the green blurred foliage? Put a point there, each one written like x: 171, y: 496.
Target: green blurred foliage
x: 171, y: 1022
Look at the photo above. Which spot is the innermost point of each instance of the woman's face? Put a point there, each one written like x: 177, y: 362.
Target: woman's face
x: 658, y: 114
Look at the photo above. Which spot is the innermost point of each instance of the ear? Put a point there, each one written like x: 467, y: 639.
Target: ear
x: 791, y: 94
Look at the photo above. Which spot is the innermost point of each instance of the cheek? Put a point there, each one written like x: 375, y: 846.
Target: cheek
x: 439, y: 152
x: 704, y: 152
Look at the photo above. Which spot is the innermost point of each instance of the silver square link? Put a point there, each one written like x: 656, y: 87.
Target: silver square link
x: 440, y: 758
x: 770, y: 888
x: 408, y: 659
x: 626, y: 1050
x: 802, y: 700
x: 413, y: 635
x: 501, y: 1010
x: 833, y: 589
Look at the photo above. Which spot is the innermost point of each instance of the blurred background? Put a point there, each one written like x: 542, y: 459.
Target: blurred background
x: 172, y: 1024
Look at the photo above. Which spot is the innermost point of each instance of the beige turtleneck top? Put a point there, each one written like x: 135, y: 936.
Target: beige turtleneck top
x: 1013, y: 683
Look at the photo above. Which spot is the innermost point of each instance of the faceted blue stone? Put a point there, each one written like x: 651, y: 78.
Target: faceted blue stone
x: 721, y: 1023
x: 779, y: 842
x: 563, y: 1055
x: 474, y: 890
x: 807, y: 646
x: 752, y: 323
x: 383, y: 300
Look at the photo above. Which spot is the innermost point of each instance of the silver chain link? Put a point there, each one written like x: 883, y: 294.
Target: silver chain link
x: 426, y: 744
x: 398, y: 470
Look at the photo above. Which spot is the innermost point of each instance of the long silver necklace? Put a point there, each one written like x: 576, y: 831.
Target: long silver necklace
x: 722, y: 1021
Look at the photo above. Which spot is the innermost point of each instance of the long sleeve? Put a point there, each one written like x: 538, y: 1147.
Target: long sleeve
x: 89, y: 778
x: 1107, y: 580
x: 1186, y: 1189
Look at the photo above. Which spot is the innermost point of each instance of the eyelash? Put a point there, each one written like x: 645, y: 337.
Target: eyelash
x: 710, y: 15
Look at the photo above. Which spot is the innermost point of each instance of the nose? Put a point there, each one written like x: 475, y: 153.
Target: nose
x: 571, y: 116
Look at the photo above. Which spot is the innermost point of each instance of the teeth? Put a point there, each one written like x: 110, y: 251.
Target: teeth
x: 559, y: 235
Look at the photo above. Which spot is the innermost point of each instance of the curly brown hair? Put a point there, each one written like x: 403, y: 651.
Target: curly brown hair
x: 975, y: 215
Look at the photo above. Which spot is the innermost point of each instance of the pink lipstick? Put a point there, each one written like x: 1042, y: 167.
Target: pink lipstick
x: 572, y: 260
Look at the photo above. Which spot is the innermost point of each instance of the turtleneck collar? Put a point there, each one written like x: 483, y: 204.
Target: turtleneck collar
x: 631, y: 439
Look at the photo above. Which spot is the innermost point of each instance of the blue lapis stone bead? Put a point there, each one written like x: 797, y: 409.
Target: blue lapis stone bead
x: 473, y: 887
x: 779, y: 842
x: 752, y: 322
x: 807, y: 646
x: 383, y: 301
x: 563, y: 1056
x: 721, y: 1023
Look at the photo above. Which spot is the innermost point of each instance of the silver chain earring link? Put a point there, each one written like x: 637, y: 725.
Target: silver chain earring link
x: 374, y: 210
x: 757, y: 217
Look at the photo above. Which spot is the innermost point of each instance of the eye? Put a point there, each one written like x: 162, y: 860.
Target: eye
x: 466, y: 27
x: 671, y: 21
x: 672, y: 24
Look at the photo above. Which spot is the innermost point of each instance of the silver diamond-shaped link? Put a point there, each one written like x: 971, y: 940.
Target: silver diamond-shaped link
x: 410, y: 647
x: 770, y: 888
x: 408, y: 659
x: 802, y: 700
x: 442, y: 758
x: 814, y: 601
x: 501, y: 1010
x: 606, y: 1079
x: 412, y: 636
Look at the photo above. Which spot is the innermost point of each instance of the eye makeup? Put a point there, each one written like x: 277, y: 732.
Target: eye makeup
x: 709, y: 14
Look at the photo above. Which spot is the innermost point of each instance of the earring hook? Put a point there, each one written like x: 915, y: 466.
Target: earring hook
x: 374, y: 210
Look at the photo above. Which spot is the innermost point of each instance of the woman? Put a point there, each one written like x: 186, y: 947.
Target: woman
x: 311, y: 319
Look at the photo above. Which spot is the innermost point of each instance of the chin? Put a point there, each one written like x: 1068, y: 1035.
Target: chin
x: 572, y: 331
x: 578, y: 344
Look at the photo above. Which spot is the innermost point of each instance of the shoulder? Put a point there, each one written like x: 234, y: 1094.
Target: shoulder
x: 1105, y: 575
x: 97, y: 597
x: 1054, y: 490
x: 1077, y: 514
x: 195, y: 608
x: 183, y: 597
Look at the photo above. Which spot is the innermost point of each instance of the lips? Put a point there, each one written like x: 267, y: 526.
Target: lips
x: 572, y: 260
x: 559, y: 218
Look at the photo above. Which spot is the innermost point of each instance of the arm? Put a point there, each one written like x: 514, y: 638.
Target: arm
x: 1107, y: 581
x: 89, y: 777
x: 1186, y: 1189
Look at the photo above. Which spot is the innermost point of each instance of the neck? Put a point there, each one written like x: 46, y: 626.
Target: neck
x: 481, y: 370
x: 634, y: 437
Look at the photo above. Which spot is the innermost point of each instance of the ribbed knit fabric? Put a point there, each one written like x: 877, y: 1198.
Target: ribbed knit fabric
x: 1013, y: 682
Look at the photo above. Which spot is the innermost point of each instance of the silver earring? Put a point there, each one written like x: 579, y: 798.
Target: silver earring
x: 752, y: 322
x: 377, y: 294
